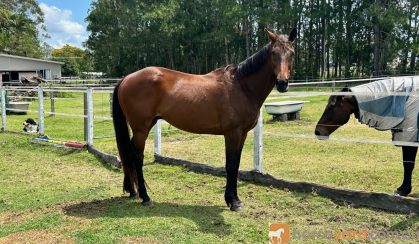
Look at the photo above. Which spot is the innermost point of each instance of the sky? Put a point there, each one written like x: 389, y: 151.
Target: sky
x: 65, y: 22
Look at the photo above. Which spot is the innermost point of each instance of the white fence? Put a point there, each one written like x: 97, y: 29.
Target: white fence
x: 89, y: 130
x: 88, y: 107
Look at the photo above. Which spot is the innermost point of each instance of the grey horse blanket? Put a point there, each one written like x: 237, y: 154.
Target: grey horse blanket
x: 390, y: 104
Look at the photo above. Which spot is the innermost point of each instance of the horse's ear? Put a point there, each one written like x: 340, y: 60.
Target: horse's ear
x: 272, y: 36
x: 340, y: 98
x: 345, y: 89
x: 293, y: 35
x: 332, y: 100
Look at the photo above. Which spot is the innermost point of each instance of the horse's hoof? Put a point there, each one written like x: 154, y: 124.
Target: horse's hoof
x: 133, y: 195
x: 235, y: 206
x: 147, y: 203
x: 400, y: 193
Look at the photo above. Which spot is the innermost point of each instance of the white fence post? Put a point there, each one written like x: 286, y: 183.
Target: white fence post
x: 41, y: 126
x: 89, y: 116
x: 258, y: 144
x: 3, y: 108
x: 52, y: 100
x: 157, y: 137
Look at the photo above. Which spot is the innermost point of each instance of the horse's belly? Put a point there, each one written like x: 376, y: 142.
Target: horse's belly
x: 194, y: 119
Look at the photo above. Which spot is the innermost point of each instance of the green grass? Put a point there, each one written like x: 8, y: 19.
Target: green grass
x: 362, y: 166
x: 49, y: 194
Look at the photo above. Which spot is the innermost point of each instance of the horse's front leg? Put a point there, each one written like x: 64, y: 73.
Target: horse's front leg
x: 234, y: 144
x: 409, y: 156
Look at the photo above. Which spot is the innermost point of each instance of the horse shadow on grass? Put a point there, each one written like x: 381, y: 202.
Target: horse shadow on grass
x: 207, y: 218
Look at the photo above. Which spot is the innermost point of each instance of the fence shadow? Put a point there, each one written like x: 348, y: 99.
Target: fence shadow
x: 207, y: 218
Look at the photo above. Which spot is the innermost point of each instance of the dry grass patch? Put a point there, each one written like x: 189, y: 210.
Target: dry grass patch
x: 143, y: 240
x: 36, y: 236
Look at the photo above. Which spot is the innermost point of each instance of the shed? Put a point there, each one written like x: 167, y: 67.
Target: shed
x: 16, y: 68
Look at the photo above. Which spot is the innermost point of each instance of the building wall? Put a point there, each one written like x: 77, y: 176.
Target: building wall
x: 17, y: 64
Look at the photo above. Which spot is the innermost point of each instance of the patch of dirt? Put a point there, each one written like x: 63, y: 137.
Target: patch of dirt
x: 36, y: 236
x: 188, y: 138
x: 17, y: 217
x: 338, y: 219
x: 142, y: 240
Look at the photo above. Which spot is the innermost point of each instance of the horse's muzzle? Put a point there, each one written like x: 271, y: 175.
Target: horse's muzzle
x: 282, y: 85
x: 321, y: 134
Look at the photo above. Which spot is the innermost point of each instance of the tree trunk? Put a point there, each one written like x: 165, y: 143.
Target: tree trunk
x: 377, y: 58
x: 415, y: 41
x: 226, y: 50
x: 323, y: 40
x: 349, y: 37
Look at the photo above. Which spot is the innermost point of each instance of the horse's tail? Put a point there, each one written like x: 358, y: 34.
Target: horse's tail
x: 125, y: 147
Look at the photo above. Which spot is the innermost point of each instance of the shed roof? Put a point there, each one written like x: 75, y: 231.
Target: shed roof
x: 32, y: 59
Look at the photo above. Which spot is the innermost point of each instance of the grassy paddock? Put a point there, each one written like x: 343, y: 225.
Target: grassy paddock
x: 51, y: 195
x: 362, y: 166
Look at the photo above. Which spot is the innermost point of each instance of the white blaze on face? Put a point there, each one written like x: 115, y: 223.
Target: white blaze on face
x: 283, y: 71
x: 283, y: 64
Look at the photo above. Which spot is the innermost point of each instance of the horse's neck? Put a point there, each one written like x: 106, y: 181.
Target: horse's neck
x: 259, y: 84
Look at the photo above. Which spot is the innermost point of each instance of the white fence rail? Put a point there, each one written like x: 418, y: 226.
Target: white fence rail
x: 88, y: 108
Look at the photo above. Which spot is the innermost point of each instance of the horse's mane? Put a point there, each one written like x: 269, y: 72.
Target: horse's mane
x: 252, y: 63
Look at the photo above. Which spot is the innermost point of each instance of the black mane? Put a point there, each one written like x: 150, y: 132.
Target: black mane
x: 252, y: 63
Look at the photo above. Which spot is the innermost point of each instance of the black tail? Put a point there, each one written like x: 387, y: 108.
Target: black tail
x: 126, y: 152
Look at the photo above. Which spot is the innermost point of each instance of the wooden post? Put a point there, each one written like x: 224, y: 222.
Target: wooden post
x: 3, y: 108
x: 89, y: 96
x: 157, y: 137
x: 41, y: 127
x: 257, y: 144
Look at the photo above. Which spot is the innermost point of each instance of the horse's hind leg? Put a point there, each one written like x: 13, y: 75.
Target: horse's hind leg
x: 139, y: 138
x: 129, y: 187
x: 409, y: 156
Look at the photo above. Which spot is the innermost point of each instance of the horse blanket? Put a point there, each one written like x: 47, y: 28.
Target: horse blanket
x: 390, y: 104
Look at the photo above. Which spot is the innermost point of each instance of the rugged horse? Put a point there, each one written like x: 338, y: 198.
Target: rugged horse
x: 225, y: 102
x: 337, y: 113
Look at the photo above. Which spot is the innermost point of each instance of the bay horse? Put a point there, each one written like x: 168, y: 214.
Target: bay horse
x: 337, y: 113
x: 226, y: 101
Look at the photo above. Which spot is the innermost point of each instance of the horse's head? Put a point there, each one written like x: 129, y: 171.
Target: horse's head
x: 337, y: 113
x: 282, y: 57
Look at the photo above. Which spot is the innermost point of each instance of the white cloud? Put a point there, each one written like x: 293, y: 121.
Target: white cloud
x: 62, y: 29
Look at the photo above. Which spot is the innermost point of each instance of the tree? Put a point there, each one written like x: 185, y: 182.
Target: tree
x: 336, y: 38
x: 75, y: 60
x: 21, y: 27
